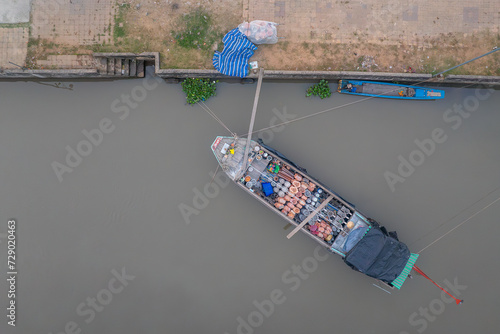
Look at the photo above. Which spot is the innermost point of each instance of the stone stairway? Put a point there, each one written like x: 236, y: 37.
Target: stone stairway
x: 124, y: 65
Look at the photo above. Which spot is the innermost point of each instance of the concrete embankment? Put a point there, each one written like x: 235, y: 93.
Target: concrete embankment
x: 127, y: 65
x: 451, y: 80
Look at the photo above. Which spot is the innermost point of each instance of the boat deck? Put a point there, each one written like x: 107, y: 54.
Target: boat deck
x: 378, y: 89
x: 291, y: 193
x: 388, y: 90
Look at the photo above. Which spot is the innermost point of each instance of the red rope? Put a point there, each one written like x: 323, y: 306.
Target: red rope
x: 418, y: 270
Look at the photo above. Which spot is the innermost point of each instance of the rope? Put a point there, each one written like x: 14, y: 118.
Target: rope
x: 465, y: 221
x: 211, y: 113
x: 418, y: 270
x: 334, y: 108
x: 215, y: 174
x: 207, y: 109
x: 368, y: 98
x: 307, y: 116
x: 338, y: 107
x: 455, y: 216
x: 371, y: 97
x: 495, y: 49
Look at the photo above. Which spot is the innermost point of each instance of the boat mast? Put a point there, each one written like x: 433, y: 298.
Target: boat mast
x: 252, y: 119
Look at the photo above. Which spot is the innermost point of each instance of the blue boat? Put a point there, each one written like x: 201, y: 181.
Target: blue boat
x: 388, y: 90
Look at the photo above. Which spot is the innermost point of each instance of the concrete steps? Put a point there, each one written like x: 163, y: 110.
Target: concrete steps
x: 125, y: 66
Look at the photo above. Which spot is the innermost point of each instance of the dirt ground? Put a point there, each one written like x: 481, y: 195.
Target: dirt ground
x: 438, y: 54
x: 155, y: 22
x: 430, y: 55
x: 148, y: 25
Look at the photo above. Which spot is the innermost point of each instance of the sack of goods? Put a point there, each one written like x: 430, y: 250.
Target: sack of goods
x: 260, y: 32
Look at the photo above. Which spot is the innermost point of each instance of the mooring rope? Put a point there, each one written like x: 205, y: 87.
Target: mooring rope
x: 418, y: 270
x: 455, y: 216
x: 338, y: 107
x: 368, y: 98
x: 211, y: 113
x: 462, y: 223
x: 207, y: 108
x: 307, y: 116
x: 215, y: 174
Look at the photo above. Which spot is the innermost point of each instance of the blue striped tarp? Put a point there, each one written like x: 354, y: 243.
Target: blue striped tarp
x: 233, y: 60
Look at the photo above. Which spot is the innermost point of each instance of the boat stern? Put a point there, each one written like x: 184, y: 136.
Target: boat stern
x: 435, y: 94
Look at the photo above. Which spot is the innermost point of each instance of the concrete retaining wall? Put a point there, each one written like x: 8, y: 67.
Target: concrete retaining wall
x: 174, y: 75
x: 42, y: 74
x: 451, y: 80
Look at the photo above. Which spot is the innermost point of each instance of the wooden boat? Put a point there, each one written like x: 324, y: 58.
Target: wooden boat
x: 388, y: 90
x: 315, y: 210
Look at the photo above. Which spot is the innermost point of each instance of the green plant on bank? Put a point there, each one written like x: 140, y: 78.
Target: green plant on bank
x: 37, y: 49
x: 33, y: 42
x: 320, y: 89
x: 361, y: 59
x: 15, y: 25
x: 197, y: 89
x: 197, y: 31
x: 124, y: 39
x: 119, y: 28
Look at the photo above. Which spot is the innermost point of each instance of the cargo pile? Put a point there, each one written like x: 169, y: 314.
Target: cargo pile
x: 295, y: 196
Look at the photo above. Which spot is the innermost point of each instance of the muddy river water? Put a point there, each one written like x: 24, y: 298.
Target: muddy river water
x: 118, y: 229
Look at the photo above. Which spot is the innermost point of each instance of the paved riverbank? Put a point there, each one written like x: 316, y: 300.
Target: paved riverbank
x: 322, y: 35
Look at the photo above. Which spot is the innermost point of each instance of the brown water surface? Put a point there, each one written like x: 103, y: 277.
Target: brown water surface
x: 120, y: 207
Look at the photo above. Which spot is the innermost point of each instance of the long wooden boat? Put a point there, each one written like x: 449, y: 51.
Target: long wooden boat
x: 388, y: 90
x: 315, y: 210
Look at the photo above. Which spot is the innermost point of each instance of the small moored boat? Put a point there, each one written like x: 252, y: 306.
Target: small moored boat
x: 315, y: 210
x: 388, y: 90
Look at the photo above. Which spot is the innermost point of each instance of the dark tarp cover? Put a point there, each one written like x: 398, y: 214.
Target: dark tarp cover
x: 378, y: 255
